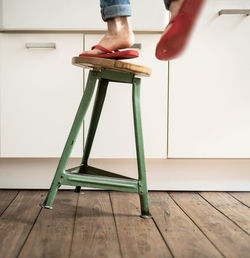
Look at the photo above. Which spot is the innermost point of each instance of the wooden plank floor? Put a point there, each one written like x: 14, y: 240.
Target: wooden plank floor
x: 107, y: 224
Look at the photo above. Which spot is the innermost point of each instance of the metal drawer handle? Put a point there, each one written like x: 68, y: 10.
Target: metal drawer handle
x: 40, y: 45
x: 136, y: 45
x: 235, y: 11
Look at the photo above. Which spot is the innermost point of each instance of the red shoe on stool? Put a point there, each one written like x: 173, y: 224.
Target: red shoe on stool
x: 117, y: 54
x: 175, y: 39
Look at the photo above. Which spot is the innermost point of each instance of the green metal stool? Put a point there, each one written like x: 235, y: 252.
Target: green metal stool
x: 104, y: 70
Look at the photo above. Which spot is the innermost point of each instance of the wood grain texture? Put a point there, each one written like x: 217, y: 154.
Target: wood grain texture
x: 183, y: 237
x: 184, y: 224
x: 52, y: 234
x: 6, y: 197
x: 243, y: 197
x: 229, y: 206
x: 226, y: 236
x: 95, y: 231
x: 17, y: 221
x: 138, y: 237
x: 98, y: 63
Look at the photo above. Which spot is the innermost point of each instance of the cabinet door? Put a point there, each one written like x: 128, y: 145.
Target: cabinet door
x: 115, y: 133
x: 75, y: 14
x: 40, y: 94
x: 209, y: 88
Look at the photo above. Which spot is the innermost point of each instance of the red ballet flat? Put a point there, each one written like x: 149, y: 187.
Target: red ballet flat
x: 173, y: 42
x: 117, y: 54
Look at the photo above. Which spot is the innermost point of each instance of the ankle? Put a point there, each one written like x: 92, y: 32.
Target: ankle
x: 118, y: 25
x: 174, y: 7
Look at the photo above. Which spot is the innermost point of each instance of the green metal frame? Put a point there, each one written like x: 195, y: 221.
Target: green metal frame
x: 88, y: 176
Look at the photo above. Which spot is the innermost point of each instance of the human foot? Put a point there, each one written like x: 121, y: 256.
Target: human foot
x: 174, y: 9
x: 118, y: 36
x: 184, y: 13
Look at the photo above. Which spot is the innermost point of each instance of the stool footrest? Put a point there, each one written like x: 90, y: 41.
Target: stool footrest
x: 89, y: 170
x: 103, y: 182
x: 74, y: 169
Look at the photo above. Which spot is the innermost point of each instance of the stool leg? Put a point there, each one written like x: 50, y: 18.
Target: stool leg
x: 143, y: 191
x: 97, y: 109
x: 82, y: 109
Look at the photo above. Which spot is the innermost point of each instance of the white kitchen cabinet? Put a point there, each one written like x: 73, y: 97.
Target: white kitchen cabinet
x: 115, y: 133
x: 40, y: 94
x: 1, y: 14
x: 75, y: 14
x: 209, y: 87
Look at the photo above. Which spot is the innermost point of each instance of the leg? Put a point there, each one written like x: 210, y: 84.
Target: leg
x: 176, y: 35
x: 71, y: 138
x: 167, y: 3
x: 173, y: 6
x: 143, y: 191
x: 97, y: 109
x: 119, y: 34
x: 115, y: 8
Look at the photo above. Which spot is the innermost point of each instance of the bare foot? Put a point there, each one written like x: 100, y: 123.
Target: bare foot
x: 118, y: 36
x: 173, y: 8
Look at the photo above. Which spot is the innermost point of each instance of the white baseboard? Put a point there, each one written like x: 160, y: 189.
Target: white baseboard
x: 162, y: 174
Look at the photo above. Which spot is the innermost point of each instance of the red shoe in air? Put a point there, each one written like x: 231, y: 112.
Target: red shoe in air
x: 173, y: 42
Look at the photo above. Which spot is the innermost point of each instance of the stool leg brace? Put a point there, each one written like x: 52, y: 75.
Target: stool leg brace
x: 85, y: 175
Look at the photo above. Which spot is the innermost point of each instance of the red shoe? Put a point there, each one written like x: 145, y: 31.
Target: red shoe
x: 126, y: 54
x: 175, y: 39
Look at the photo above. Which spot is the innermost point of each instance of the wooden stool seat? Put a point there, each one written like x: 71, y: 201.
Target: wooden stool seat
x: 99, y: 63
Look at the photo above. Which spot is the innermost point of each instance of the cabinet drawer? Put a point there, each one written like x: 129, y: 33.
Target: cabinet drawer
x: 40, y: 94
x: 115, y: 133
x: 209, y: 87
x: 75, y: 14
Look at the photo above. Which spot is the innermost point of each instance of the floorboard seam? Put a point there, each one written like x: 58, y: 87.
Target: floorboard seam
x: 165, y: 241
x: 73, y: 231
x: 115, y: 224
x: 224, y: 214
x: 238, y: 200
x: 197, y: 226
x: 10, y: 203
x: 24, y: 242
